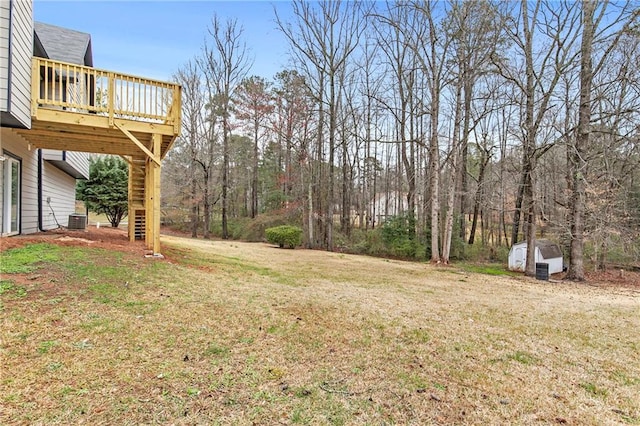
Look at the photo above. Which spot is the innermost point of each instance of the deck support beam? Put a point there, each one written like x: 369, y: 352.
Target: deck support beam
x: 154, y: 156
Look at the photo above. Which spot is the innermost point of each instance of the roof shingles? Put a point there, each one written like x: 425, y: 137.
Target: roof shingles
x: 62, y: 44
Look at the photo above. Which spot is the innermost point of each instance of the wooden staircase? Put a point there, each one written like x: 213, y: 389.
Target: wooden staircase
x: 137, y: 216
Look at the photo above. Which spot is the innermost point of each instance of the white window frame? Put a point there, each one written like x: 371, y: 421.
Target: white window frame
x: 8, y: 163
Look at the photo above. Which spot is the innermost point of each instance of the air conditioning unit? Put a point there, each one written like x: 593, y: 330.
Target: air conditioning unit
x: 77, y: 221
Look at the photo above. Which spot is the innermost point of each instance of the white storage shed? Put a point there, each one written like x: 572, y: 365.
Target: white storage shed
x: 546, y: 252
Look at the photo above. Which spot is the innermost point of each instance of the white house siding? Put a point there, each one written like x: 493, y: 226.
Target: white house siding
x: 17, y: 146
x: 16, y: 47
x: 518, y: 257
x: 77, y: 163
x: 4, y: 54
x: 58, y: 196
x: 21, y: 54
x: 57, y: 187
x: 387, y: 205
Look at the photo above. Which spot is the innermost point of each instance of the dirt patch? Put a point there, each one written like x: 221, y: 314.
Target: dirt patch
x: 612, y: 278
x: 106, y: 238
x: 615, y: 278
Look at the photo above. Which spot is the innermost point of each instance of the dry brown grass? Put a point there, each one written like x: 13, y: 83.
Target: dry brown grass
x: 238, y: 333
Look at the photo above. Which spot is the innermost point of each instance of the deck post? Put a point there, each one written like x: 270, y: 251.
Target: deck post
x: 152, y: 197
x: 131, y: 227
x: 111, y: 96
x: 35, y: 87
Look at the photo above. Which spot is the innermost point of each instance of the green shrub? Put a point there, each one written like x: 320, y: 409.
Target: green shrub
x: 398, y: 235
x: 284, y: 235
x: 407, y: 248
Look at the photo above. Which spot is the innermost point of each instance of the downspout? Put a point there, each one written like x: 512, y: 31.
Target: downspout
x: 39, y: 184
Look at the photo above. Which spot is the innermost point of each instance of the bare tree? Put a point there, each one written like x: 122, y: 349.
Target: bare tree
x: 454, y: 154
x: 554, y: 28
x: 226, y: 64
x: 607, y: 41
x: 398, y: 46
x: 431, y: 46
x: 193, y: 131
x: 323, y: 37
x: 254, y: 104
x: 291, y: 123
x: 475, y: 29
x: 371, y: 82
x: 203, y: 123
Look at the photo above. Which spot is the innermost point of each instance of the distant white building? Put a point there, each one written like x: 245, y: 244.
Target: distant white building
x: 387, y: 205
x: 546, y: 252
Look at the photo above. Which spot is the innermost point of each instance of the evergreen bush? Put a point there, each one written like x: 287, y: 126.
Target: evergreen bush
x: 398, y: 235
x: 284, y: 235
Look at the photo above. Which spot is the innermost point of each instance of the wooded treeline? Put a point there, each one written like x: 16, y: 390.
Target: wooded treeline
x: 471, y: 120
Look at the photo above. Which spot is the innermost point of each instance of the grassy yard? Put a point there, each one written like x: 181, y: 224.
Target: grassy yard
x: 239, y: 333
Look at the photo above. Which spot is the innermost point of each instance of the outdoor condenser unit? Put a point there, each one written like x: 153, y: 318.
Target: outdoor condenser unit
x: 77, y: 221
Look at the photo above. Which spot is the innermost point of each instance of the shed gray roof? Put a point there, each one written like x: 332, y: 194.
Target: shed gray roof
x: 63, y: 44
x: 548, y: 249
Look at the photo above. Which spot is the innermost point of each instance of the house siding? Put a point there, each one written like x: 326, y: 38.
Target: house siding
x: 73, y: 163
x: 21, y: 54
x: 16, y: 47
x: 4, y: 55
x: 18, y: 146
x: 58, y: 188
x: 58, y: 197
x: 79, y: 161
x: 59, y: 173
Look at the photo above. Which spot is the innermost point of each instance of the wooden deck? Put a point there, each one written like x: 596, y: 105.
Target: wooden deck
x: 79, y: 108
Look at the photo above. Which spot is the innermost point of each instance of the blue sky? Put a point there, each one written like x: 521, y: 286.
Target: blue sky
x: 154, y: 38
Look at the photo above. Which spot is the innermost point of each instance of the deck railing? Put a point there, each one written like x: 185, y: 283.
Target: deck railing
x: 77, y: 88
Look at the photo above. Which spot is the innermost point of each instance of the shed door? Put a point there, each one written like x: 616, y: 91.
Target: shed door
x: 520, y: 258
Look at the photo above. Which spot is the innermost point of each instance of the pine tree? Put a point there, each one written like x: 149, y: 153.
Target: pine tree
x: 106, y: 190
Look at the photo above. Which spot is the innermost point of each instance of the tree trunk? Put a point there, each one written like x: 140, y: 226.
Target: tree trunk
x: 530, y: 130
x: 484, y: 162
x: 333, y: 112
x: 464, y: 182
x: 194, y: 204
x: 319, y: 182
x: 345, y: 221
x: 530, y: 269
x: 578, y: 155
x: 451, y: 196
x: 225, y: 177
x: 254, y: 171
x: 207, y: 206
x: 434, y: 175
x: 310, y: 218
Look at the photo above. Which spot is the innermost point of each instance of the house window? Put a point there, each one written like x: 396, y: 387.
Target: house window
x: 11, y: 194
